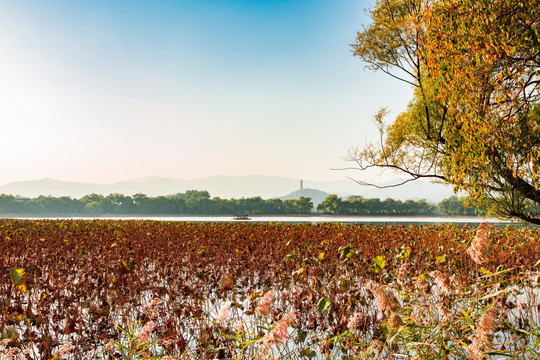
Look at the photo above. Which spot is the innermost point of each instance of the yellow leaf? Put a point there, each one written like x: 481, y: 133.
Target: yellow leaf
x: 22, y: 288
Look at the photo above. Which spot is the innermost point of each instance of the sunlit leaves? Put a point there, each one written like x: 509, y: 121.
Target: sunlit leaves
x: 404, y: 255
x: 440, y: 258
x: 309, y: 353
x: 17, y: 275
x: 9, y: 332
x: 473, y: 120
x: 126, y: 266
x: 347, y: 253
x: 345, y: 283
x: 490, y: 99
x: 19, y: 278
x: 323, y: 305
x: 291, y: 256
x: 379, y: 263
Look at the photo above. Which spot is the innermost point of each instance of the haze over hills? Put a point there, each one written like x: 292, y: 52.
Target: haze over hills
x: 225, y: 187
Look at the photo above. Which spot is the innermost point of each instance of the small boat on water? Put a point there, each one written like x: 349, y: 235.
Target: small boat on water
x: 241, y: 217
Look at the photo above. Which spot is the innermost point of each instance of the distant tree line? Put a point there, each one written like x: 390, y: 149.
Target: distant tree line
x: 358, y: 205
x: 194, y: 202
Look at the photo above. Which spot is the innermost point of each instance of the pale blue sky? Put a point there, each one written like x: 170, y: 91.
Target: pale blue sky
x: 102, y: 91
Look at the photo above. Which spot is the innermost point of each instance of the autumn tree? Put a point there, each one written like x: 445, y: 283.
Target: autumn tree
x: 474, y: 119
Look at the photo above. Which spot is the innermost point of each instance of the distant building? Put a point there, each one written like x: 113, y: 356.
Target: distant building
x: 301, y: 184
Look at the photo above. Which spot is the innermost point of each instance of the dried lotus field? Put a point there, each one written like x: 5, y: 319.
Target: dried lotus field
x: 164, y: 290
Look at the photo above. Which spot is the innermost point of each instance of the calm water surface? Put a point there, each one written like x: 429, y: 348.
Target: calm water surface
x: 375, y: 220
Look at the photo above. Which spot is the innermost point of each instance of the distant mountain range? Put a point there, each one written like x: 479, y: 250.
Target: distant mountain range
x: 228, y: 187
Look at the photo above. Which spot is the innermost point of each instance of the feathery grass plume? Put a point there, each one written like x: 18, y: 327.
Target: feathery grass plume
x: 387, y: 301
x: 109, y: 347
x: 521, y: 304
x: 144, y: 333
x: 394, y: 321
x: 403, y: 272
x: 403, y: 277
x: 264, y: 306
x: 378, y: 346
x: 279, y: 333
x: 354, y: 320
x: 90, y: 354
x: 478, y: 251
x: 65, y: 350
x: 223, y: 314
x: 484, y: 333
x: 444, y: 312
x: 15, y: 354
x: 168, y: 343
x: 151, y: 309
x: 442, y: 281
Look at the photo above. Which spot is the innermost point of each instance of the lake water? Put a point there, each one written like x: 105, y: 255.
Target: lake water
x: 375, y: 220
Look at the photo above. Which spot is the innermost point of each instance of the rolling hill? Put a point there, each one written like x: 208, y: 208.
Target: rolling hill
x: 317, y: 196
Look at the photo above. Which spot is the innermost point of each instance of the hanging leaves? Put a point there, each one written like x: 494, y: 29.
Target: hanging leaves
x: 474, y: 118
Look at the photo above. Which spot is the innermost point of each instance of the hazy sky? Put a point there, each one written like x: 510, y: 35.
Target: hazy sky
x: 102, y: 91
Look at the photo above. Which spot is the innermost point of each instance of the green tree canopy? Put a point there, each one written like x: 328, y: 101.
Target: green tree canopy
x: 332, y: 204
x: 474, y: 120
